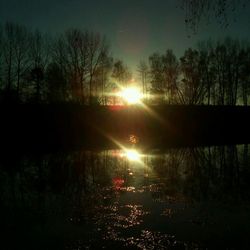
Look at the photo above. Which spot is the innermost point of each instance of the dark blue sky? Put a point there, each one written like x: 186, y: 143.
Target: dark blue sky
x: 135, y: 28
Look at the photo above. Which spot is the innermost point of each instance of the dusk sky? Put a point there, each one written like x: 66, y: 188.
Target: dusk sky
x: 134, y: 28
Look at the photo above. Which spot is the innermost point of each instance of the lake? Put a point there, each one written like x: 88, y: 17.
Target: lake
x: 173, y: 198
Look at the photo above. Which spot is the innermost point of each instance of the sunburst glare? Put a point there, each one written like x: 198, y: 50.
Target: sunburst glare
x: 131, y: 155
x: 131, y: 95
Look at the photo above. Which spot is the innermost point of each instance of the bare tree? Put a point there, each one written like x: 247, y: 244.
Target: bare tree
x: 15, y: 47
x: 193, y: 88
x: 170, y: 74
x: 98, y: 51
x: 144, y: 75
x: 121, y: 73
x: 76, y: 54
x: 56, y: 82
x: 220, y: 57
x: 245, y: 75
x: 8, y: 53
x: 76, y: 43
x: 228, y: 63
x: 156, y: 76
x: 21, y: 48
x: 102, y: 77
x: 84, y: 53
x: 121, y: 76
x: 232, y: 68
x: 59, y: 58
x: 206, y: 52
x: 164, y: 74
x: 39, y: 58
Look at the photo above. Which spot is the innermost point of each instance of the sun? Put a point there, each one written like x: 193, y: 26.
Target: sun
x: 131, y: 95
x: 132, y: 155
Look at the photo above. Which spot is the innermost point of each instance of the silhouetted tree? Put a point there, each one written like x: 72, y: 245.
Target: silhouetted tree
x: 193, y: 88
x: 170, y: 75
x: 81, y: 55
x: 244, y: 75
x: 229, y: 60
x: 8, y: 53
x: 232, y: 69
x: 102, y: 78
x: 144, y: 74
x: 56, y: 84
x: 121, y: 73
x: 75, y: 44
x: 39, y: 58
x: 21, y: 49
x: 60, y: 61
x: 220, y: 69
x: 164, y: 73
x: 16, y: 47
x: 157, y: 77
x: 206, y: 53
x: 98, y: 53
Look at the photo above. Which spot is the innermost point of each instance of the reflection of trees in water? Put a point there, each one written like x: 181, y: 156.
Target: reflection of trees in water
x: 82, y: 179
x: 212, y: 173
x: 72, y: 195
x: 59, y: 181
x: 67, y: 193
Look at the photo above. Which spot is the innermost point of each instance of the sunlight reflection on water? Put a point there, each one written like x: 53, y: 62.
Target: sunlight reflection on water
x: 178, y: 199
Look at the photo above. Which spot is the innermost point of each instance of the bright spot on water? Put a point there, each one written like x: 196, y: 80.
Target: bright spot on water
x: 131, y: 95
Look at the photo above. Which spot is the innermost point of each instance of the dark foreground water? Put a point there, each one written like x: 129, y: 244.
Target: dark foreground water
x: 188, y: 198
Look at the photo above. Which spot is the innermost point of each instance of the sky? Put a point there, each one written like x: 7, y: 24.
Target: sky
x: 134, y: 28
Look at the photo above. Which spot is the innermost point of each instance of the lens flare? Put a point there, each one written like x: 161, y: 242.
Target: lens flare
x: 132, y: 155
x: 131, y: 95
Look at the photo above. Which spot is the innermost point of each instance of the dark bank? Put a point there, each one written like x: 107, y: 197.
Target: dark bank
x: 65, y: 126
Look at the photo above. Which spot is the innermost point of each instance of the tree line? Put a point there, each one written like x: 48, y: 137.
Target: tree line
x: 216, y: 73
x: 75, y: 66
x: 78, y: 66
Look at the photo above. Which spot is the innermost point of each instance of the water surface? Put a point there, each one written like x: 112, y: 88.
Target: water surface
x: 182, y: 198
